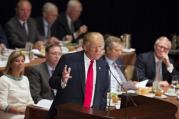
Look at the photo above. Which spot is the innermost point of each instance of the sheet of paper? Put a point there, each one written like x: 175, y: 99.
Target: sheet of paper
x: 142, y: 84
x: 44, y: 103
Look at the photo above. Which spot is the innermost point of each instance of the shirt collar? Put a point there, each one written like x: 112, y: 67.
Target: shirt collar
x: 156, y: 59
x: 49, y: 67
x: 109, y: 61
x: 45, y: 22
x: 21, y: 22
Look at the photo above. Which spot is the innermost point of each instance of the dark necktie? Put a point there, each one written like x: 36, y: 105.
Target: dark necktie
x: 48, y: 31
x: 24, y: 28
x: 72, y: 28
x: 52, y: 71
x: 89, y: 86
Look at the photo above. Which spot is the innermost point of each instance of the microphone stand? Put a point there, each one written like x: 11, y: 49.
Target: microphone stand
x: 127, y: 95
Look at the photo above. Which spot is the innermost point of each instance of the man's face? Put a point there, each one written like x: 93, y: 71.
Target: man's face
x: 51, y: 17
x: 24, y: 11
x: 115, y: 52
x: 161, y: 49
x: 94, y: 48
x: 53, y: 55
x: 75, y: 12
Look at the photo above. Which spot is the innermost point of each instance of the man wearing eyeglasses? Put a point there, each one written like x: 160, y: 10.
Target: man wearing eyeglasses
x: 156, y: 65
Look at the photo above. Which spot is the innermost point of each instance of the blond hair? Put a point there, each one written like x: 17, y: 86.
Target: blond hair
x: 11, y: 59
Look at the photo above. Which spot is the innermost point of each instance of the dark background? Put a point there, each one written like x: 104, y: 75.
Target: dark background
x: 146, y: 20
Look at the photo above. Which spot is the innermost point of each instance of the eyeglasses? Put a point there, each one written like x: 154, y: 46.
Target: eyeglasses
x: 163, y: 47
x: 56, y: 53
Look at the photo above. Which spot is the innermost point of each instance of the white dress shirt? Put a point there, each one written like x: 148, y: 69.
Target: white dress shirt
x: 115, y: 87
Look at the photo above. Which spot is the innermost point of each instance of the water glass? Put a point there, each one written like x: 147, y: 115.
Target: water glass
x: 175, y: 79
x: 28, y: 46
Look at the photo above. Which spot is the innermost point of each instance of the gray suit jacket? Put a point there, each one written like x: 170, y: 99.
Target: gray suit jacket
x: 39, y: 86
x: 16, y: 34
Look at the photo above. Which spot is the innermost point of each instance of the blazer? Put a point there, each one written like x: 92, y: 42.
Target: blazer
x: 39, y: 86
x: 17, y: 36
x: 3, y: 38
x: 40, y: 26
x: 74, y: 91
x: 146, y: 68
x: 60, y: 28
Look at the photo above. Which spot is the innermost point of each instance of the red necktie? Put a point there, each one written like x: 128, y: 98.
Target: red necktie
x: 89, y: 86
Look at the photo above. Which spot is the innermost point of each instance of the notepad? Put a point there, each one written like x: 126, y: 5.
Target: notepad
x: 44, y: 103
x: 142, y: 84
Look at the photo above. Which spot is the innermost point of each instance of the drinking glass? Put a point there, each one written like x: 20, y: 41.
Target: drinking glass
x: 175, y: 79
x: 28, y: 46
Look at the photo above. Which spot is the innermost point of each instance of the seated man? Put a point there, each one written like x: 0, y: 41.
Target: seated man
x: 44, y: 23
x: 21, y: 28
x: 68, y: 25
x: 113, y: 51
x: 39, y: 75
x: 156, y: 66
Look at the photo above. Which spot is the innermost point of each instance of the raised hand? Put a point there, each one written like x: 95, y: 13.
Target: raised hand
x: 66, y: 74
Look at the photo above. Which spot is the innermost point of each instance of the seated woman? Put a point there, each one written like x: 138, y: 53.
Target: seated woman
x: 14, y: 88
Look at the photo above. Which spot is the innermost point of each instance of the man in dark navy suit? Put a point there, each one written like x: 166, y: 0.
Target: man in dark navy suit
x: 71, y: 74
x: 147, y: 64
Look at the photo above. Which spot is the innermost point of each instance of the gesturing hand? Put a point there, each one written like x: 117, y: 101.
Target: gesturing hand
x: 66, y: 74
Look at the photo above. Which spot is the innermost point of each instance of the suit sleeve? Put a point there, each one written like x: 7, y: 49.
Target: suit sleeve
x: 140, y: 69
x: 14, y: 39
x: 35, y: 84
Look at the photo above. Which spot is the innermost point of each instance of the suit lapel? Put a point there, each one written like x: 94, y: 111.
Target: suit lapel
x: 153, y: 65
x: 46, y: 69
x: 19, y: 26
x: 98, y: 78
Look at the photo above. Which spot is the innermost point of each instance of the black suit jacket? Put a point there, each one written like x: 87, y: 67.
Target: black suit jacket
x: 3, y: 38
x: 60, y: 28
x: 146, y: 68
x: 74, y: 91
x: 17, y: 36
x: 39, y: 82
x: 40, y: 26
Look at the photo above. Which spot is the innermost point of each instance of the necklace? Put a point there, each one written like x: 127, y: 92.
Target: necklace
x: 13, y: 77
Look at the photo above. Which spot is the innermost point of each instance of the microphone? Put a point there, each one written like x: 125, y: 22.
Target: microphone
x: 126, y: 93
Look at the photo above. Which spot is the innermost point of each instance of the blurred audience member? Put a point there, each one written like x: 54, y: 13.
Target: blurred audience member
x: 21, y: 28
x: 40, y: 45
x: 44, y: 23
x: 39, y: 75
x: 68, y: 25
x: 156, y: 65
x: 3, y: 39
x: 14, y: 88
x: 113, y: 52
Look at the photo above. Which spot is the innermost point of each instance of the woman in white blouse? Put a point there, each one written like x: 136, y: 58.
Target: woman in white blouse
x: 14, y: 88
